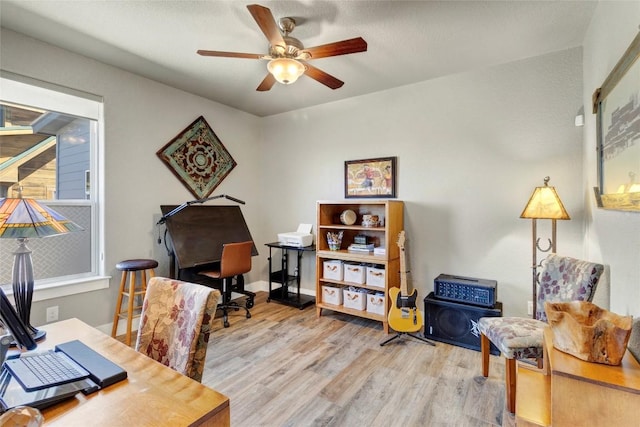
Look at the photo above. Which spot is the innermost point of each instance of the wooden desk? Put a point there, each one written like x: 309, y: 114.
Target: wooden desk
x: 152, y: 395
x: 578, y: 393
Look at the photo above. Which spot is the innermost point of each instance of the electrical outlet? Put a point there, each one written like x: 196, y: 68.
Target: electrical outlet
x: 52, y: 313
x: 530, y: 308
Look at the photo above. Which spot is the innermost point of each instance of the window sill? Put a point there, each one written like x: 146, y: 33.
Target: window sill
x: 70, y: 287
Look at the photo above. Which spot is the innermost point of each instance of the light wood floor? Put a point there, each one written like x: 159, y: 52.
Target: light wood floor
x: 285, y: 367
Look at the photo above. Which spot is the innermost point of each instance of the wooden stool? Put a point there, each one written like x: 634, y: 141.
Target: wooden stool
x: 132, y: 266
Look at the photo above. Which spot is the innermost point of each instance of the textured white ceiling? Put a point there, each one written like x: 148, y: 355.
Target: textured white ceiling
x: 408, y: 41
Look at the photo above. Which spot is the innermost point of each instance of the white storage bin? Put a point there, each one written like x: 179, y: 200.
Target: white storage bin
x: 331, y: 295
x: 355, y: 299
x: 375, y: 277
x: 332, y: 270
x: 354, y: 273
x: 375, y: 303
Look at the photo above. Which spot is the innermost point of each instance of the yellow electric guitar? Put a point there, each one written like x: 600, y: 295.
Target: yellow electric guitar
x: 404, y: 315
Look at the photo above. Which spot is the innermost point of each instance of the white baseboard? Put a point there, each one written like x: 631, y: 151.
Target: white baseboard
x: 260, y: 285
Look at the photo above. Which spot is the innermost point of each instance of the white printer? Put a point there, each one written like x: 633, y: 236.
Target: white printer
x: 299, y: 238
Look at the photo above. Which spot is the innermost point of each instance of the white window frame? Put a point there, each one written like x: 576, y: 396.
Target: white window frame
x: 30, y: 92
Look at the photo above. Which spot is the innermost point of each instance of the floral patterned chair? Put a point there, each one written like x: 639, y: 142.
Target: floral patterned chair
x: 561, y: 279
x: 175, y: 324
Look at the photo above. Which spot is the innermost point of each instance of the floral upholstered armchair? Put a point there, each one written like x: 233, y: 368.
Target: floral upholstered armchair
x: 175, y: 324
x: 562, y: 279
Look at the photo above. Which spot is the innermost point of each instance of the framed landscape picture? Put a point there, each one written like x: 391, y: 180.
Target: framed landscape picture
x: 617, y: 104
x: 370, y: 178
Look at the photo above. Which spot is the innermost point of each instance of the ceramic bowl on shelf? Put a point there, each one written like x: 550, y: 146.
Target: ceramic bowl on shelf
x: 348, y: 217
x: 370, y: 220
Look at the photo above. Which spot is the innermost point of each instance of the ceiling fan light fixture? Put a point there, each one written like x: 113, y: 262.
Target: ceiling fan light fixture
x: 285, y: 70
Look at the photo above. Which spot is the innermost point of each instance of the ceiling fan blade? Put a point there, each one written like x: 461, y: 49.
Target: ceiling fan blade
x: 322, y: 77
x: 267, y: 83
x: 230, y: 54
x: 265, y: 20
x: 343, y: 47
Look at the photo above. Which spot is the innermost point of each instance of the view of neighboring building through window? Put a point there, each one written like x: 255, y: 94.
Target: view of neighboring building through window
x: 49, y: 154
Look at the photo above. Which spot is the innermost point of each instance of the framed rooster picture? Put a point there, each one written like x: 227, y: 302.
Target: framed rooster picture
x: 370, y: 178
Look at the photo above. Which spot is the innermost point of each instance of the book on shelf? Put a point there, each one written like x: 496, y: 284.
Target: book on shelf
x: 360, y: 248
x: 380, y: 251
x: 369, y: 247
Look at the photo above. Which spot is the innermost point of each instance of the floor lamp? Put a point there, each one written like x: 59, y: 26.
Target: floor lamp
x: 544, y: 203
x: 23, y: 219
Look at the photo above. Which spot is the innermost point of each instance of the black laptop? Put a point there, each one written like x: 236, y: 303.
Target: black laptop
x: 102, y: 373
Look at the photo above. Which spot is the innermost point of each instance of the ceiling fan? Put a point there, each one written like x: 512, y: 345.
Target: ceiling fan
x: 287, y: 56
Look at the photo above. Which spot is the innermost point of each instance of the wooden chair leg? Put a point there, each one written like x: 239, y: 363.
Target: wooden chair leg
x: 132, y: 290
x: 484, y: 348
x: 145, y: 279
x: 510, y: 384
x: 143, y: 283
x: 116, y: 316
x: 152, y: 273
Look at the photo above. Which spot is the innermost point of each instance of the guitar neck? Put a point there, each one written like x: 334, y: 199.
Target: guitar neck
x: 403, y: 273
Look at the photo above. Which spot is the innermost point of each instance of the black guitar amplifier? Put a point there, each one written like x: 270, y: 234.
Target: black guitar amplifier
x: 455, y: 323
x: 468, y: 290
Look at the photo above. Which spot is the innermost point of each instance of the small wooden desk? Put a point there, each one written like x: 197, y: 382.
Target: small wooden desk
x: 578, y: 393
x: 152, y: 395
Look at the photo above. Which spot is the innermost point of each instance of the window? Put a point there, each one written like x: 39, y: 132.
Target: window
x: 50, y: 151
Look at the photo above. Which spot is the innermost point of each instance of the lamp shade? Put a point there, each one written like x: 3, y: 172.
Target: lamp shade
x: 22, y: 219
x: 545, y: 204
x: 26, y: 218
x: 285, y: 70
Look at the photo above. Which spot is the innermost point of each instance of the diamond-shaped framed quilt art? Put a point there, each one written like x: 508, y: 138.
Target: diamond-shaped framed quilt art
x: 197, y: 157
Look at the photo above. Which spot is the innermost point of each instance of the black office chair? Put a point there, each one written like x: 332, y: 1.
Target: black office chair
x: 235, y: 261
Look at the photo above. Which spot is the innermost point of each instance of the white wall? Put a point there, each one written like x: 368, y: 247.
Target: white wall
x: 141, y: 116
x: 470, y: 147
x: 613, y: 237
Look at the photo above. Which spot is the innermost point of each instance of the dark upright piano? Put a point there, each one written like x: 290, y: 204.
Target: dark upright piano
x: 195, y: 238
